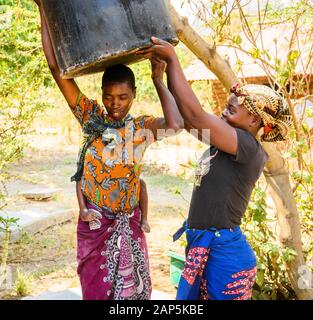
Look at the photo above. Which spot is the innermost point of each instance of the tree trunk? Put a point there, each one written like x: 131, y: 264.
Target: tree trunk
x: 275, y: 172
x: 277, y: 177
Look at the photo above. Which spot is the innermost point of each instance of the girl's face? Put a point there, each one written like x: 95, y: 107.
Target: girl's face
x: 237, y: 115
x: 117, y: 98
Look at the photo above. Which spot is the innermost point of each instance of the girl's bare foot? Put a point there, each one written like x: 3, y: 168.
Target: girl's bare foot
x: 145, y: 226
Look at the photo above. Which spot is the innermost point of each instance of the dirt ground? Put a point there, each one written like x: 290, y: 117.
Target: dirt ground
x: 48, y: 259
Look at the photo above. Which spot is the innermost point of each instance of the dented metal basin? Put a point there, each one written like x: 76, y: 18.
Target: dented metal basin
x: 89, y: 35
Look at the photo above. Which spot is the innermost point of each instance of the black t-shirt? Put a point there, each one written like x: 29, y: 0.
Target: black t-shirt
x: 226, y: 186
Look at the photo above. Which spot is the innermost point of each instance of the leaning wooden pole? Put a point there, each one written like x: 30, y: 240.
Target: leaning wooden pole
x: 275, y: 172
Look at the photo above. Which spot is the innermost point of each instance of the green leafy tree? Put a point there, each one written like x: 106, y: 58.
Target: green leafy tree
x: 23, y: 75
x: 271, y: 282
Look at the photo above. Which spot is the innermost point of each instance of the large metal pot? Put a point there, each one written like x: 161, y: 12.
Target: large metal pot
x: 89, y: 35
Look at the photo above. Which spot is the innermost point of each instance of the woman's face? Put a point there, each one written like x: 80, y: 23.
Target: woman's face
x: 236, y: 115
x: 117, y: 98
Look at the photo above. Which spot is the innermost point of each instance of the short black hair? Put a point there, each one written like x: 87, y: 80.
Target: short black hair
x: 119, y: 73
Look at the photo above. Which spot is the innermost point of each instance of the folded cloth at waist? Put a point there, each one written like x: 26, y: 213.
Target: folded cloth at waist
x: 109, y: 212
x: 216, y: 231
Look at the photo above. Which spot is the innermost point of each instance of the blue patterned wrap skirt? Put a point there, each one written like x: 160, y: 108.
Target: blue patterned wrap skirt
x: 220, y: 265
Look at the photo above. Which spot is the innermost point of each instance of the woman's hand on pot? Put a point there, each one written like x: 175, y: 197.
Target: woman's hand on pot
x: 159, y: 49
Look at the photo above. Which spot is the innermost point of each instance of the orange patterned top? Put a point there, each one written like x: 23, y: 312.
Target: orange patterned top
x: 111, y: 172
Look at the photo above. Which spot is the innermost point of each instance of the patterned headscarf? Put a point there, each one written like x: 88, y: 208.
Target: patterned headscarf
x: 271, y: 107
